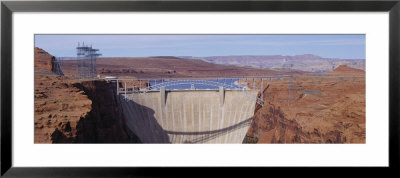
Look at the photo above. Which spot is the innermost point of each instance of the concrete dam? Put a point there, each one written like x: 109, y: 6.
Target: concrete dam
x: 159, y: 115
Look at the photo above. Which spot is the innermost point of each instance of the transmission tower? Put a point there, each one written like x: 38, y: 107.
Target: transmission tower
x: 86, y: 61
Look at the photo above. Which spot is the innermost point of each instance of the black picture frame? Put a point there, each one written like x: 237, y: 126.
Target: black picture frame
x: 8, y: 7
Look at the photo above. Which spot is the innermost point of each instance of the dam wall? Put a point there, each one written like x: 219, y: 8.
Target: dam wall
x: 217, y: 116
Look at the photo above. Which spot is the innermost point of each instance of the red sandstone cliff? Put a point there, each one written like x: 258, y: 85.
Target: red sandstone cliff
x: 324, y: 110
x: 43, y: 61
x: 75, y: 111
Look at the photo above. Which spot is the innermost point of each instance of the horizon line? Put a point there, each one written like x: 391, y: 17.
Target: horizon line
x: 199, y: 57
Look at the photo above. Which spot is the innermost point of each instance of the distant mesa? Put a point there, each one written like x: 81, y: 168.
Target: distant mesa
x: 165, y: 57
x: 344, y: 70
x: 305, y: 62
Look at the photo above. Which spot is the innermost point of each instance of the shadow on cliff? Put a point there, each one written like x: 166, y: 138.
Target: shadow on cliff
x: 140, y: 119
x: 105, y: 123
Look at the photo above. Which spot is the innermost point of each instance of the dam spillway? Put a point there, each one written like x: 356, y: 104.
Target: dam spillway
x: 206, y: 116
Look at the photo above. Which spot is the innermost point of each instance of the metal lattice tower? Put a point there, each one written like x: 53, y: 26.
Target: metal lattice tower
x: 86, y: 61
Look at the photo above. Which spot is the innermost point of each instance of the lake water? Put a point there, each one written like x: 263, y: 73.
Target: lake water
x: 228, y: 84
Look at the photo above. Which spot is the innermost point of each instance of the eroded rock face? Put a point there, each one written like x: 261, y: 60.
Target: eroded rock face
x: 73, y: 111
x: 324, y: 110
x: 58, y: 108
x: 43, y: 61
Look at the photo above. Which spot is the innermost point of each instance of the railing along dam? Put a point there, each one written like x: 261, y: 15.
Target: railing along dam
x: 189, y: 110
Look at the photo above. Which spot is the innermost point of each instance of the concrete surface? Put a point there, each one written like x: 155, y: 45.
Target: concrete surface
x: 189, y: 116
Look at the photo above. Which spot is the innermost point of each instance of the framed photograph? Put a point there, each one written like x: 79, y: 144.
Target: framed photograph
x: 103, y: 88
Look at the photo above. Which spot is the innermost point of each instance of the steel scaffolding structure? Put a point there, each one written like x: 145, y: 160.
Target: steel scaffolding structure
x: 86, y: 61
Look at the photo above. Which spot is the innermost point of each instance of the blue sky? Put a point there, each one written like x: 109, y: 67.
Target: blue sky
x: 328, y: 46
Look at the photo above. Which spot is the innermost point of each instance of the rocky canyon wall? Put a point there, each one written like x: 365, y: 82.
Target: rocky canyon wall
x: 73, y: 111
x: 321, y: 110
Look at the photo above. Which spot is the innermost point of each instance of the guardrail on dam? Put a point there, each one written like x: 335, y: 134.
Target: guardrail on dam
x: 188, y: 111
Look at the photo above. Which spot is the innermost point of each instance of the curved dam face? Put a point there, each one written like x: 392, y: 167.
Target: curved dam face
x: 189, y: 116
